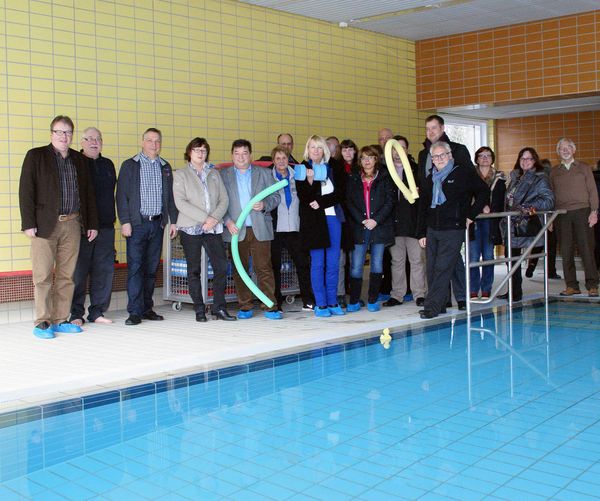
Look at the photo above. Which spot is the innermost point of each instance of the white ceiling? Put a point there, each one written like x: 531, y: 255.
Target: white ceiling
x: 422, y: 19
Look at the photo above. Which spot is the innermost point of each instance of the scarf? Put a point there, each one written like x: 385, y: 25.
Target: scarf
x: 286, y: 189
x: 438, y: 177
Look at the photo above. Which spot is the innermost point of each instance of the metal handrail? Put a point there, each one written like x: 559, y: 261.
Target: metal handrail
x: 549, y: 217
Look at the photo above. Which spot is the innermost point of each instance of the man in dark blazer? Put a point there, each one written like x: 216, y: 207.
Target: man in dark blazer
x: 243, y: 181
x: 57, y: 202
x: 145, y: 206
x: 435, y: 131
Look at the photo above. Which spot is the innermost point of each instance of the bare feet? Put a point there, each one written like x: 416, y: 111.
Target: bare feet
x: 77, y: 321
x: 103, y: 320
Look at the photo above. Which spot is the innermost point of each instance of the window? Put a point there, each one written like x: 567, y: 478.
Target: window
x: 471, y: 133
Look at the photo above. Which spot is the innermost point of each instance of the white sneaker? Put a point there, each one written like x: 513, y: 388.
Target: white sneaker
x: 308, y: 307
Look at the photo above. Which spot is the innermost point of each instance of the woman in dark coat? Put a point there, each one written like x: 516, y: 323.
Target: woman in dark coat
x: 321, y: 218
x: 528, y: 191
x: 370, y: 203
x: 451, y: 197
x: 486, y: 232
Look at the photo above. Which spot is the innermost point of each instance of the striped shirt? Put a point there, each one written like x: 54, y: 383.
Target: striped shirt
x: 150, y: 186
x: 67, y: 178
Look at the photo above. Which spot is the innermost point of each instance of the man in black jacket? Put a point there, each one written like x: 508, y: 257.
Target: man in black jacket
x: 145, y: 206
x: 451, y: 197
x: 96, y: 258
x: 435, y: 131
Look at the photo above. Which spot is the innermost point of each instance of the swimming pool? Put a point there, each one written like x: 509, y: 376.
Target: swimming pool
x: 514, y: 412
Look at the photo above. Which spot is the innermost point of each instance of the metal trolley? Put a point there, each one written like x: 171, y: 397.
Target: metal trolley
x: 175, y: 285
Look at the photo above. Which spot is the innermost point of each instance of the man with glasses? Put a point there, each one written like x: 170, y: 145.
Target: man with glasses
x: 575, y: 190
x: 57, y: 202
x: 145, y: 206
x: 435, y: 132
x: 97, y: 258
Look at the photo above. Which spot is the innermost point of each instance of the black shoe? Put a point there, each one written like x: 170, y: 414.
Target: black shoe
x: 516, y: 297
x: 133, y: 320
x: 427, y: 314
x: 554, y: 276
x: 201, y: 316
x: 392, y: 302
x: 462, y: 305
x: 420, y: 301
x: 222, y: 314
x: 342, y: 301
x: 449, y: 304
x: 152, y: 315
x: 529, y: 271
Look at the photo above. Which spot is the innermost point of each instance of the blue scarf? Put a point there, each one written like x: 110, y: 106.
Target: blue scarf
x: 438, y: 177
x: 286, y: 189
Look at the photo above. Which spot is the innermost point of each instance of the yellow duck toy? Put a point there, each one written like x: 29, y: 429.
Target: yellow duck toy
x: 385, y: 339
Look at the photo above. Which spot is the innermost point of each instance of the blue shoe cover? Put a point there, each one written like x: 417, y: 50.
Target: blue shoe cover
x: 66, y: 328
x: 373, y: 306
x: 383, y: 297
x: 322, y: 312
x: 336, y: 310
x: 351, y: 308
x: 273, y: 315
x: 244, y: 314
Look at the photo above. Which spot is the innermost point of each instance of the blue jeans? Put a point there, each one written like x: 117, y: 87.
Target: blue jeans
x: 481, y: 247
x: 360, y: 252
x: 324, y: 266
x: 143, y: 255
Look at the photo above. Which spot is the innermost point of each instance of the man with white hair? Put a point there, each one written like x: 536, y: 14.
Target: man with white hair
x: 96, y: 258
x: 575, y: 191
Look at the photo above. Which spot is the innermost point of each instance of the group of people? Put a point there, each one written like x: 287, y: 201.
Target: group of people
x: 338, y: 204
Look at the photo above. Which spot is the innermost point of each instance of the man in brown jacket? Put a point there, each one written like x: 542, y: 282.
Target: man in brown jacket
x: 57, y: 202
x: 575, y: 190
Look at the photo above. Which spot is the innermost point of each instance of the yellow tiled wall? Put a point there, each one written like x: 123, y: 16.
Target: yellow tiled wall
x: 218, y: 69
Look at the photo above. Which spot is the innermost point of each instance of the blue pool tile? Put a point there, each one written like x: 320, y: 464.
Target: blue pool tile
x: 455, y: 492
x: 7, y: 494
x: 270, y: 490
x: 511, y: 493
x: 73, y: 491
x: 138, y: 391
x: 344, y: 486
x: 570, y: 495
x: 62, y: 407
x: 533, y: 486
x: 549, y: 479
x: 589, y: 489
x: 203, y: 377
x: 101, y: 399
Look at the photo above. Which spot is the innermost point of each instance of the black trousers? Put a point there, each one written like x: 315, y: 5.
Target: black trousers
x: 443, y: 252
x: 301, y: 258
x: 213, y: 245
x: 96, y: 259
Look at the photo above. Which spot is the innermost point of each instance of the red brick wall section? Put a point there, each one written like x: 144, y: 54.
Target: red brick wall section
x: 543, y: 132
x: 17, y: 285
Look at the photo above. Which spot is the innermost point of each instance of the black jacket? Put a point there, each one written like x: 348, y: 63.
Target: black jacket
x: 313, y: 222
x: 405, y: 213
x: 466, y: 196
x: 381, y: 205
x: 460, y: 154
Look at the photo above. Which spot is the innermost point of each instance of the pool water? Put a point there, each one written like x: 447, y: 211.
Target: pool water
x: 511, y: 411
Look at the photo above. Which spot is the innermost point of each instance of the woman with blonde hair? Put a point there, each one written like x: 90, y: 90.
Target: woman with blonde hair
x: 321, y: 217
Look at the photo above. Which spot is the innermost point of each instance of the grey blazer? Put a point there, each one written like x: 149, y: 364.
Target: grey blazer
x: 262, y: 223
x: 189, y: 196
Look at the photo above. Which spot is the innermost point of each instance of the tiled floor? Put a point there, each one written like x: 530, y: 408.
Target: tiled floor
x: 34, y: 371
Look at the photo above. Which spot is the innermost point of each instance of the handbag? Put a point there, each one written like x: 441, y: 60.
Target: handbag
x: 527, y: 226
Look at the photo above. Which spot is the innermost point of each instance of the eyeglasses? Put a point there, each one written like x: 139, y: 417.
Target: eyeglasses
x: 368, y: 157
x: 61, y: 133
x: 93, y: 139
x: 527, y: 159
x: 200, y: 151
x: 440, y: 156
x: 484, y: 155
